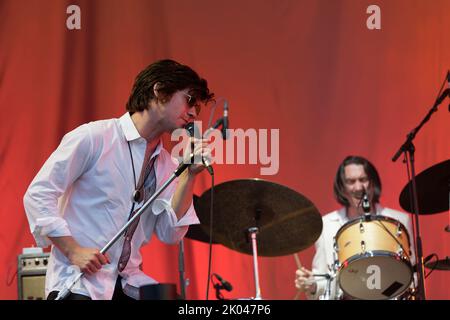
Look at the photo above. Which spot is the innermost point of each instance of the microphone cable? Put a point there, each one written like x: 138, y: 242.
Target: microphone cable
x: 211, y: 214
x: 211, y: 208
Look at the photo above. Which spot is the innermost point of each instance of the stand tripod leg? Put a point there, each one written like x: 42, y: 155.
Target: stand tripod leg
x: 181, y: 270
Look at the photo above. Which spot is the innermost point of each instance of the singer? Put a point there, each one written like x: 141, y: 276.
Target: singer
x: 101, y: 174
x: 355, y: 176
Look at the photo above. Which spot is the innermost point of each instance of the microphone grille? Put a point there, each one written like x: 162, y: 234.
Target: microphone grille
x: 190, y: 128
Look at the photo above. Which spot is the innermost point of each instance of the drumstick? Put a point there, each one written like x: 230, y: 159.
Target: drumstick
x: 297, y: 261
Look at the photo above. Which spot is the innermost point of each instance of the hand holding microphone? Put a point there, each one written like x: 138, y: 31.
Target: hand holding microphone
x: 225, y: 122
x: 200, y: 154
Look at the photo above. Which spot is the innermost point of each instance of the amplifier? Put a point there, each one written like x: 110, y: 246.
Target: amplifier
x: 31, y: 269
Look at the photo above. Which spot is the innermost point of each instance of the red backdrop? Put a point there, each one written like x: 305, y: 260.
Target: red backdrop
x: 309, y: 68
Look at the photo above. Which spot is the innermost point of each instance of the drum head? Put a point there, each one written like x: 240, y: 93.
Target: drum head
x: 375, y: 276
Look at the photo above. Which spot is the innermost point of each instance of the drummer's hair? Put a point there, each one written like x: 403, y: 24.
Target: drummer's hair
x: 372, y: 174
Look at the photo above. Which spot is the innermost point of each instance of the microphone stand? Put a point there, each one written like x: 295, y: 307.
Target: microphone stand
x: 408, y: 149
x: 181, y: 267
x: 183, y: 282
x: 66, y: 291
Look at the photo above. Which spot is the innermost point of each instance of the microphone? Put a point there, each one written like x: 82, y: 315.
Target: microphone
x: 194, y: 132
x: 225, y: 121
x: 225, y: 284
x: 365, y: 202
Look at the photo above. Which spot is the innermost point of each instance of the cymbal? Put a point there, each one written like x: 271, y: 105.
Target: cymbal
x: 443, y: 264
x: 433, y: 187
x: 195, y: 231
x: 287, y: 221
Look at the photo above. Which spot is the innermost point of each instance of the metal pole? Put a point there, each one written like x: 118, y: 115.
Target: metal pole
x: 253, y: 231
x: 181, y: 270
x: 66, y: 291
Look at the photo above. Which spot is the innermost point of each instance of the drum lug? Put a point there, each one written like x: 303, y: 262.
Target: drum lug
x: 361, y: 227
x: 363, y: 247
x: 399, y: 230
x: 335, y: 245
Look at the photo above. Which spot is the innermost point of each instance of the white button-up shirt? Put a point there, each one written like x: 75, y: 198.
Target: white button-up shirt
x: 84, y: 190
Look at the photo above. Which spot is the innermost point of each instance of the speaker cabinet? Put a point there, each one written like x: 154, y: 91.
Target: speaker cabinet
x: 31, y: 270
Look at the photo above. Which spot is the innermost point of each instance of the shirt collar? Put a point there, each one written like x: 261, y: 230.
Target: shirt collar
x: 342, y: 214
x: 157, y: 149
x: 131, y: 133
x: 128, y: 127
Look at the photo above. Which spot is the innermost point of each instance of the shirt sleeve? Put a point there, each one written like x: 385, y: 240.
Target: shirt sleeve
x: 62, y: 168
x: 168, y: 228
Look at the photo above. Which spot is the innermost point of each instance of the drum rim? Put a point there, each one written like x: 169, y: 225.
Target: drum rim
x: 376, y: 217
x: 382, y: 253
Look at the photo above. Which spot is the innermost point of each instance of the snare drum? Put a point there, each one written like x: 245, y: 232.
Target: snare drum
x: 374, y: 258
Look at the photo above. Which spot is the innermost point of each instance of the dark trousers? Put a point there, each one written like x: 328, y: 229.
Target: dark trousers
x: 118, y: 294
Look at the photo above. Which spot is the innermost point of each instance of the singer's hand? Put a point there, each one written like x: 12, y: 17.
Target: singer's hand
x: 201, y: 151
x: 89, y: 260
x: 304, y: 281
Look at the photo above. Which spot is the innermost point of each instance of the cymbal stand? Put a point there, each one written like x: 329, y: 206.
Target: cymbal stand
x: 330, y: 278
x: 253, y: 231
x: 327, y: 294
x: 447, y: 228
x: 408, y: 149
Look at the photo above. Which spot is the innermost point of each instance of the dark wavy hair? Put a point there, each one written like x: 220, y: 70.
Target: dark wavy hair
x: 370, y: 170
x: 171, y: 77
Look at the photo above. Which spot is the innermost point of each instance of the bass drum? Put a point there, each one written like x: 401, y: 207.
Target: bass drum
x: 374, y: 258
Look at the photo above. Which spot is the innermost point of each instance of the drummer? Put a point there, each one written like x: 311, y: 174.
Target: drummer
x: 354, y: 176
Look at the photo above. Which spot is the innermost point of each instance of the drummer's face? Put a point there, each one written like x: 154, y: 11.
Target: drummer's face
x: 355, y: 181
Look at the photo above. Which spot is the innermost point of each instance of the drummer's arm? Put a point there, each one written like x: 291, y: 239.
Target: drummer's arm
x: 319, y: 266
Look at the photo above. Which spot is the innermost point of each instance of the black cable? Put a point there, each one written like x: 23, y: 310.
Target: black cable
x: 434, y: 264
x: 210, y: 235
x: 9, y: 280
x: 411, y: 204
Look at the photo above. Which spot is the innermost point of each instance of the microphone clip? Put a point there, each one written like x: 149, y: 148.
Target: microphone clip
x: 221, y: 285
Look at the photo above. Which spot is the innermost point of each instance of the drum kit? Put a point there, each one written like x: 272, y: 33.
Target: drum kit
x: 262, y: 218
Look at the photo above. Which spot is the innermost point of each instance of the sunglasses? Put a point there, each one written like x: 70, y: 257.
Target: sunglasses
x: 192, y: 102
